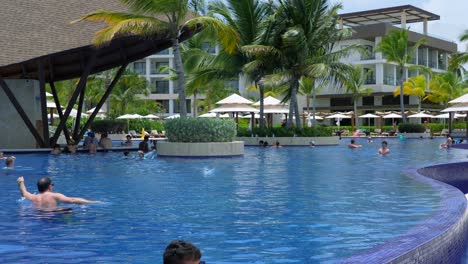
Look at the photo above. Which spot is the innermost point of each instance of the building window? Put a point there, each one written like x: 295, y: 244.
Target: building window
x: 156, y: 65
x: 208, y: 47
x: 368, y: 100
x: 422, y: 60
x: 371, y: 77
x: 164, y: 105
x: 177, y: 107
x: 394, y: 100
x: 369, y: 53
x: 160, y: 86
x: 139, y: 67
x: 341, y: 101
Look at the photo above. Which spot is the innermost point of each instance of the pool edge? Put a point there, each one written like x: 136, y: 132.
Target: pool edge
x: 445, y: 241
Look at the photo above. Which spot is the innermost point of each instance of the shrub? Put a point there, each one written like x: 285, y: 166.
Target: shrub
x: 109, y: 126
x: 435, y: 127
x: 411, y: 128
x: 200, y: 130
x: 147, y: 124
x: 318, y: 131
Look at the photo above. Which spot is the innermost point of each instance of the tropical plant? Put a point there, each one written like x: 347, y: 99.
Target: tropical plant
x: 126, y: 92
x: 247, y: 19
x: 156, y: 17
x: 200, y: 130
x: 353, y: 81
x: 446, y: 87
x: 304, y: 34
x: 415, y: 86
x: 456, y: 63
x: 395, y: 48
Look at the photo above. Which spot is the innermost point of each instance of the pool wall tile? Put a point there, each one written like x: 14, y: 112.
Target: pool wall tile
x: 441, y: 238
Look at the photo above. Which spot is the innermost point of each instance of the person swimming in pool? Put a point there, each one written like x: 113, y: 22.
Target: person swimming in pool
x: 353, y: 145
x: 384, y: 150
x: 47, y: 199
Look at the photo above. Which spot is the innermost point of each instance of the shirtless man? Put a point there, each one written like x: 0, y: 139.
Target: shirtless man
x: 47, y: 199
x: 353, y: 145
x: 384, y: 149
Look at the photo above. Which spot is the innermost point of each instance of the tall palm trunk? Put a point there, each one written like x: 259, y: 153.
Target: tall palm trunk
x: 262, y: 104
x: 294, y: 107
x: 179, y: 68
x: 402, y: 96
x: 194, y: 106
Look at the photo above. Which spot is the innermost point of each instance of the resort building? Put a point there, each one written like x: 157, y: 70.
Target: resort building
x: 368, y: 29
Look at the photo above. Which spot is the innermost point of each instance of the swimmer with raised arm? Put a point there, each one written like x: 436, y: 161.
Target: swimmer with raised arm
x: 353, y: 145
x: 47, y: 199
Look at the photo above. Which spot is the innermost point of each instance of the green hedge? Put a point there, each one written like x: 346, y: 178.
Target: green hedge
x: 318, y: 131
x: 109, y: 126
x: 200, y: 130
x: 411, y: 128
x: 148, y: 125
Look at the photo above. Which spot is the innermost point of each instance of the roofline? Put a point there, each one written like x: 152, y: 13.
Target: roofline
x: 394, y: 8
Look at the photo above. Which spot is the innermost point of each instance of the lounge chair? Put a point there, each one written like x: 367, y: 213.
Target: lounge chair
x: 376, y: 132
x: 134, y: 134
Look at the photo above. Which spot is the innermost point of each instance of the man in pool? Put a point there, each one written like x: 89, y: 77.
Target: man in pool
x: 384, y: 150
x: 181, y: 252
x: 47, y: 199
x: 10, y: 162
x: 353, y: 144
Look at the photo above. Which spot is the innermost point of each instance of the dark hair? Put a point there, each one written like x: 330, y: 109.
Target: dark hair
x: 128, y: 136
x: 265, y: 143
x: 9, y: 161
x: 277, y: 143
x: 43, y: 184
x: 146, y: 137
x: 352, y: 141
x: 179, y: 251
x: 126, y: 153
x: 384, y: 142
x: 104, y: 135
x: 260, y: 142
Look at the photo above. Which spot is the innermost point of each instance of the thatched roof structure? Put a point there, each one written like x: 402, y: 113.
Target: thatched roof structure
x: 39, y: 31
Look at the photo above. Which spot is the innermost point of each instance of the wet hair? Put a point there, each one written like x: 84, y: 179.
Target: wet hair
x: 9, y: 161
x: 277, y: 143
x: 103, y: 135
x: 352, y: 141
x: 128, y: 136
x: 385, y: 142
x: 43, y: 184
x: 146, y: 137
x: 179, y: 251
x: 56, y: 146
x: 126, y: 153
x: 260, y: 142
x: 265, y: 143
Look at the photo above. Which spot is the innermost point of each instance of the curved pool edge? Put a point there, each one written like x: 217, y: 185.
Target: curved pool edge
x: 439, y: 239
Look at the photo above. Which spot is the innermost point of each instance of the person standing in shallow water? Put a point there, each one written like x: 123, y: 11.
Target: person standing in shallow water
x: 143, y: 146
x: 384, y: 150
x: 47, y: 198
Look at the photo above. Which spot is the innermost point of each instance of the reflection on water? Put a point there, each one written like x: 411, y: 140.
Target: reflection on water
x: 298, y: 205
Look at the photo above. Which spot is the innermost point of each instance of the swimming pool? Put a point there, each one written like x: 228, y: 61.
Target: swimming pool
x: 288, y: 205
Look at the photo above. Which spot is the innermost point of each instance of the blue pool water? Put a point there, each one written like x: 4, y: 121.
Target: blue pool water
x: 288, y: 205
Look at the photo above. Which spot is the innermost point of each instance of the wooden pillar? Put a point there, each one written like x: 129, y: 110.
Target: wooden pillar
x: 21, y: 112
x: 43, y: 98
x: 84, y: 76
x: 450, y: 123
x: 79, y: 111
x: 102, y: 101
x: 59, y: 109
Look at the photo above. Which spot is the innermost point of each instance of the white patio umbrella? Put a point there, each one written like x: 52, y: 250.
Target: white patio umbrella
x: 234, y: 99
x: 74, y: 113
x: 51, y: 105
x: 90, y: 111
x: 461, y: 107
x: 338, y: 117
x: 214, y: 115
x: 173, y: 116
x: 48, y: 94
x: 369, y: 116
x: 460, y: 100
x: 421, y: 115
x: 446, y: 116
x: 392, y: 116
x: 126, y: 116
x: 150, y: 116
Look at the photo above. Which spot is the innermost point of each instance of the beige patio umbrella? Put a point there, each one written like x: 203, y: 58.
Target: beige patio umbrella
x: 272, y: 106
x: 369, y: 116
x: 235, y: 104
x: 459, y: 107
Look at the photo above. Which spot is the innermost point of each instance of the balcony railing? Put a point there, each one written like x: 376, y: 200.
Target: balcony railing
x: 368, y: 56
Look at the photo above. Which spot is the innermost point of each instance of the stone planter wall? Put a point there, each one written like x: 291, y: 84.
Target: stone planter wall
x: 194, y: 150
x: 291, y: 141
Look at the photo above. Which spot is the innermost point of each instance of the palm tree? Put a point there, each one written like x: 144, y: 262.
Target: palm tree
x: 248, y: 19
x: 353, y: 81
x: 153, y: 17
x: 126, y: 92
x: 304, y: 34
x: 446, y: 87
x: 395, y: 48
x: 415, y: 86
x: 456, y: 63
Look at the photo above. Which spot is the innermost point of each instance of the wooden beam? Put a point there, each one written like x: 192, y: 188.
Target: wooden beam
x: 79, y: 111
x: 84, y: 76
x: 43, y: 98
x: 21, y: 112
x: 59, y: 109
x: 103, y: 99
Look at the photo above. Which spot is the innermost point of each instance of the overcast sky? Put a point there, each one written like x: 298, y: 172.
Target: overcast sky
x: 453, y: 14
